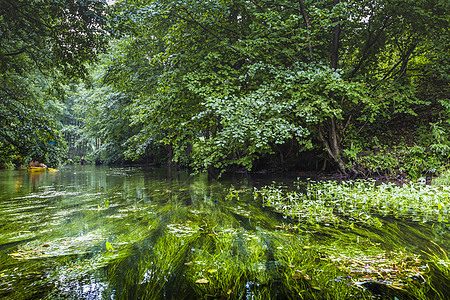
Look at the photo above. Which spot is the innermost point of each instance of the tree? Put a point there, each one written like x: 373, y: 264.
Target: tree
x: 42, y: 42
x: 232, y: 80
x: 96, y: 124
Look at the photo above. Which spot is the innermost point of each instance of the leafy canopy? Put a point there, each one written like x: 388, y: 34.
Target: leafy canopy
x: 42, y: 42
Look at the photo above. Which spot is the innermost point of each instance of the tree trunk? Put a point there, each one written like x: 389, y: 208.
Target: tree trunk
x: 335, y: 43
x: 329, y: 133
x: 308, y: 28
x: 332, y: 140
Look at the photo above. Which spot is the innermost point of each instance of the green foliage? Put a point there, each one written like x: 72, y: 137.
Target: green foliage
x: 28, y: 126
x: 43, y: 43
x: 224, y: 83
x: 109, y: 247
x: 443, y: 179
x: 220, y: 84
x: 96, y: 123
x: 410, y: 152
x: 402, y: 160
x: 51, y: 34
x: 290, y: 103
x: 441, y: 139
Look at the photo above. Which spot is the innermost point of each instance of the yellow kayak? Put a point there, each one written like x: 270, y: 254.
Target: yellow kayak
x: 41, y: 169
x: 37, y: 169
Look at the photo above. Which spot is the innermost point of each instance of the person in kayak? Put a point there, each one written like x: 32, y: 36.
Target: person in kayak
x: 37, y: 164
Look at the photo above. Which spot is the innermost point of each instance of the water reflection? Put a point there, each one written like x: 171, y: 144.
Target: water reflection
x: 180, y: 237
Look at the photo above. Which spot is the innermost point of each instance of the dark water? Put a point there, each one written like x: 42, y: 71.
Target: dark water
x: 127, y: 233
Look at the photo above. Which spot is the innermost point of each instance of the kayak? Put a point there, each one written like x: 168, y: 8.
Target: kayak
x: 37, y: 169
x: 41, y: 169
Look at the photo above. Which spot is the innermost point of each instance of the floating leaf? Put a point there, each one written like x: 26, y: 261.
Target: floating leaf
x: 202, y: 281
x: 17, y: 255
x: 109, y: 247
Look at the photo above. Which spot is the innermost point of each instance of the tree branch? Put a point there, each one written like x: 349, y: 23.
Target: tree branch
x: 369, y: 45
x: 402, y: 60
x: 281, y: 5
x: 308, y: 28
x: 205, y: 29
x: 17, y: 52
x: 335, y: 42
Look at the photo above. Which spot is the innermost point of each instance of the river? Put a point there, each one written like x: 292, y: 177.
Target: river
x: 89, y: 232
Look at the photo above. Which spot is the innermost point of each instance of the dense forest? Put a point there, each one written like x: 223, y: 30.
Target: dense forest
x: 358, y: 87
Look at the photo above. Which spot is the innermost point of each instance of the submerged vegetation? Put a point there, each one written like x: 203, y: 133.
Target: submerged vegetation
x: 122, y: 233
x: 365, y: 211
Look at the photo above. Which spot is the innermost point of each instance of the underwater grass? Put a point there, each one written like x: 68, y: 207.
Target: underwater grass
x: 170, y: 240
x: 240, y: 251
x: 349, y: 226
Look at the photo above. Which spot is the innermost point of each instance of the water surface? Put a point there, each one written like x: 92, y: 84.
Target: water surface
x: 126, y: 233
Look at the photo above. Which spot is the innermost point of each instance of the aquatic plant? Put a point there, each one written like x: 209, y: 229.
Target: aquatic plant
x: 361, y: 247
x: 443, y: 179
x: 359, y: 201
x: 171, y: 240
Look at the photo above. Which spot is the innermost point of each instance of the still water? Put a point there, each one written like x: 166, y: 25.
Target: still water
x: 126, y: 233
